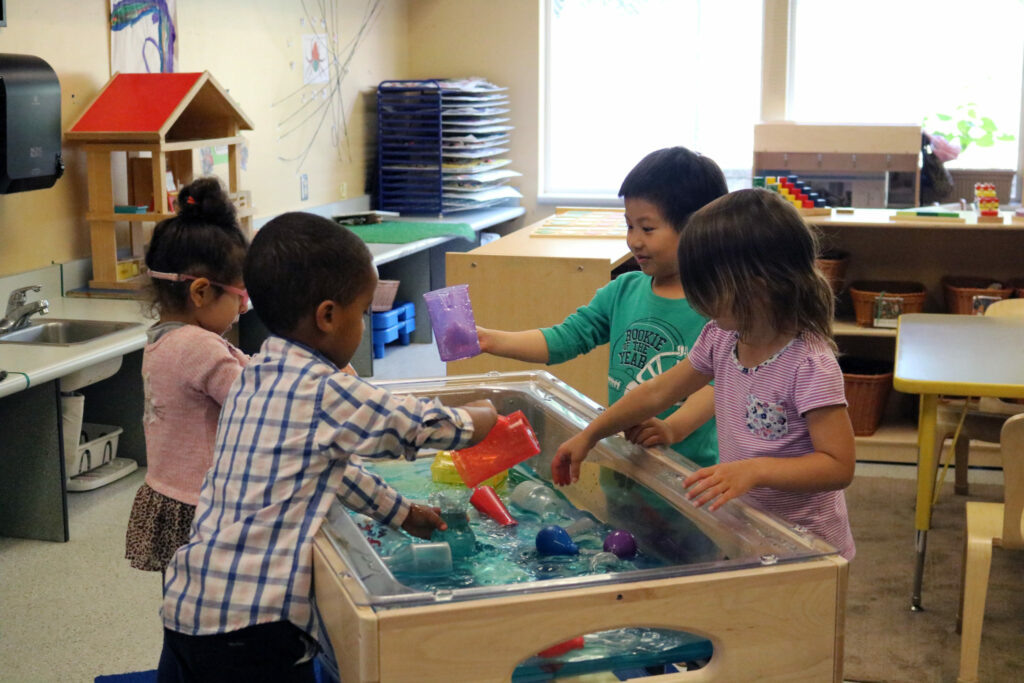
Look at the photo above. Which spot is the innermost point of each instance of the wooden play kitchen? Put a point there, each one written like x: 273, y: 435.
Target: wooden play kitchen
x: 748, y: 582
x: 156, y: 121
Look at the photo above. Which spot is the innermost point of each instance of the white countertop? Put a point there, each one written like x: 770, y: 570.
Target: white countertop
x: 43, y: 362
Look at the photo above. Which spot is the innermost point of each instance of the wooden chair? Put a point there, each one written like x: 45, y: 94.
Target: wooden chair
x: 982, y: 423
x: 988, y: 525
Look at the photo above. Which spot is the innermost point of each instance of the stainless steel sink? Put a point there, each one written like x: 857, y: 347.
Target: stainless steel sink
x: 64, y: 332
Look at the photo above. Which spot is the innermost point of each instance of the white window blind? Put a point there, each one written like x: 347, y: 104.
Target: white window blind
x: 626, y: 77
x: 951, y: 65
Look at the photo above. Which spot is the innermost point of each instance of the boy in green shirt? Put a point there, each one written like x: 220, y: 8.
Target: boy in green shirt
x: 643, y: 315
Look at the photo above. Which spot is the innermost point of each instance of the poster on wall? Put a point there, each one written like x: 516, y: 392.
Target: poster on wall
x: 143, y: 36
x: 314, y: 58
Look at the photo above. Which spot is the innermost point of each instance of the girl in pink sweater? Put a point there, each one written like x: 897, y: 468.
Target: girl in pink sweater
x: 195, y: 262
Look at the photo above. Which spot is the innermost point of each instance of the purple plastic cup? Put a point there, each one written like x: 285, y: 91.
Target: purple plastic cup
x: 451, y: 317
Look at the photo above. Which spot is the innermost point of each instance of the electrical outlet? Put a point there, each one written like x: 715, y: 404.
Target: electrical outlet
x: 303, y: 187
x: 343, y: 191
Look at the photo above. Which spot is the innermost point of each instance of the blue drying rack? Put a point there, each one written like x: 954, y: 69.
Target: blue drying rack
x: 409, y: 165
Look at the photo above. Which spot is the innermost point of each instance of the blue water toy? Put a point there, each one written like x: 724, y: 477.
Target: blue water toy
x: 554, y: 540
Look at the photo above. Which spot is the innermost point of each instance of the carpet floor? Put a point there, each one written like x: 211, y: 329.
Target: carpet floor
x: 885, y: 641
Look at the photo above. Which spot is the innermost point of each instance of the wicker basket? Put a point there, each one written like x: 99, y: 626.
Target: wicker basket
x: 832, y: 265
x: 867, y: 384
x: 384, y: 295
x: 960, y: 291
x: 864, y: 292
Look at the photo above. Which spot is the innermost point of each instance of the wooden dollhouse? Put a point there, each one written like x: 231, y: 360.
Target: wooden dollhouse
x: 158, y: 121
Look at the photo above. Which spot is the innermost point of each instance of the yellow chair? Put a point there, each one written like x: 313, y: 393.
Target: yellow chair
x: 988, y: 525
x: 982, y: 423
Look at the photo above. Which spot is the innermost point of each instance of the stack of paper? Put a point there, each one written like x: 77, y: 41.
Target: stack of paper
x: 442, y: 145
x: 475, y: 131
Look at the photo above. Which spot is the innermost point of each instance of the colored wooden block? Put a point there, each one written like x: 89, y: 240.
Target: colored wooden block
x: 927, y: 219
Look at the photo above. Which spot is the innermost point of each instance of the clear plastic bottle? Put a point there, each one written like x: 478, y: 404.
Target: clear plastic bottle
x: 535, y: 497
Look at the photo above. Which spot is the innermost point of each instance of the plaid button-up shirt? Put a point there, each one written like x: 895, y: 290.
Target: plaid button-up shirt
x: 287, y: 430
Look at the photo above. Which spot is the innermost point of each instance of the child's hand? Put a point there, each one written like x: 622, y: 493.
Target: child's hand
x: 565, y: 466
x: 483, y: 336
x: 651, y: 432
x: 720, y: 483
x: 422, y: 520
x: 484, y: 416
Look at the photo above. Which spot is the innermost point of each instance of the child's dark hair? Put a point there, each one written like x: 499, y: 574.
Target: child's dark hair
x: 298, y: 260
x: 675, y: 180
x: 750, y: 252
x: 203, y: 239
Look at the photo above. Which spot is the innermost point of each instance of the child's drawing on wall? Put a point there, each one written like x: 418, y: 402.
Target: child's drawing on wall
x: 143, y: 36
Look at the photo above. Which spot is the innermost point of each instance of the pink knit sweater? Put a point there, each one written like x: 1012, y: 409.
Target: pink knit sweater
x: 186, y: 374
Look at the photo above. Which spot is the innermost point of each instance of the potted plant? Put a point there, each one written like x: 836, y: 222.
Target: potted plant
x: 967, y: 128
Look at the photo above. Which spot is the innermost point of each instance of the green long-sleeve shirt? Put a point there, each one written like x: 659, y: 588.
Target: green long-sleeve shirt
x: 647, y: 334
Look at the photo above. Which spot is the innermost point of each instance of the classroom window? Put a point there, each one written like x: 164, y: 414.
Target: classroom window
x: 879, y: 61
x: 626, y: 77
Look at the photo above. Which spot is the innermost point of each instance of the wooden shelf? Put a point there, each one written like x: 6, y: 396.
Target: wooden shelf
x: 151, y: 217
x: 897, y: 443
x: 882, y: 218
x: 848, y: 328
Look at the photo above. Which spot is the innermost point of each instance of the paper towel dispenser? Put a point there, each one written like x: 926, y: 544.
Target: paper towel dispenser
x: 30, y: 135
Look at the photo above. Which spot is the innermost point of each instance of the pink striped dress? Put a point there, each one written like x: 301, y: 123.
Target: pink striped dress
x: 760, y: 412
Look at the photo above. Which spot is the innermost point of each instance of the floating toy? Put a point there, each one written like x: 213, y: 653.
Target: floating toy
x: 422, y: 559
x: 509, y: 442
x: 443, y: 471
x: 600, y: 562
x: 535, y: 497
x: 554, y: 540
x: 488, y: 503
x: 621, y: 543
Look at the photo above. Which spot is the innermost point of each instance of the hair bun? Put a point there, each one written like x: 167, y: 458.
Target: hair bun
x: 205, y: 201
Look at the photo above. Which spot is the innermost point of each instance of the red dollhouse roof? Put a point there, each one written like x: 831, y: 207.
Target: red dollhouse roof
x: 151, y: 104
x: 136, y: 102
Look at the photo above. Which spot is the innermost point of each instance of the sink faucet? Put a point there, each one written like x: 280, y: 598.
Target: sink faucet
x: 18, y: 312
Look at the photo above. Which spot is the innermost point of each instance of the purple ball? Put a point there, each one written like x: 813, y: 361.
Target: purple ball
x: 621, y: 543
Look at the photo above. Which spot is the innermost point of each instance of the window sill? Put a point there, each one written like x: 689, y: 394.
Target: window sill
x: 578, y: 200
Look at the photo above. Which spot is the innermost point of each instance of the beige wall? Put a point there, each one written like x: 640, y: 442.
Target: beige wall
x: 245, y: 45
x: 499, y: 40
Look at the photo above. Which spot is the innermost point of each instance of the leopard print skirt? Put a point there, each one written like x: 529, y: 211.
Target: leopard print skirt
x: 157, y: 527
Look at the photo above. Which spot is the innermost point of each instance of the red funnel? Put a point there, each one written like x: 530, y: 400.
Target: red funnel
x: 509, y: 442
x: 488, y: 503
x: 561, y: 648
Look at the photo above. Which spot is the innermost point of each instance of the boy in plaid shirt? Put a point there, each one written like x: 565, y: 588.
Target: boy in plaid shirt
x: 238, y: 598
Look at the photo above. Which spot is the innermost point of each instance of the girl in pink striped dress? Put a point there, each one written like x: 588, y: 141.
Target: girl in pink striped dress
x: 746, y: 260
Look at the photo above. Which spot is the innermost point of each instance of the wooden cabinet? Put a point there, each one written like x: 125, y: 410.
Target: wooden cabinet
x: 840, y: 151
x: 883, y: 249
x: 521, y: 282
